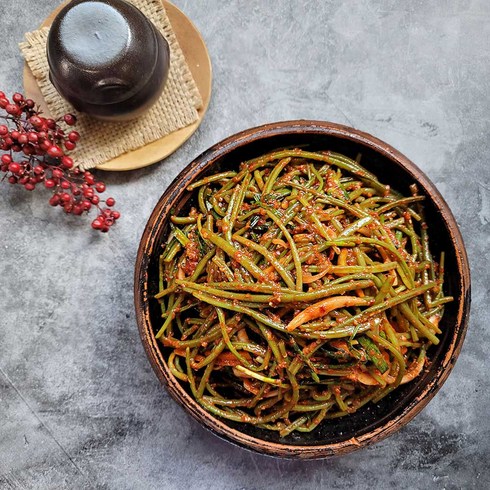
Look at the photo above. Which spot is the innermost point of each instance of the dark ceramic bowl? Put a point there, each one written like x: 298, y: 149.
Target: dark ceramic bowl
x: 374, y: 421
x: 107, y: 59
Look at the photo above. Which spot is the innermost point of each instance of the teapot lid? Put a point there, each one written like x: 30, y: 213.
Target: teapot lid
x: 101, y: 51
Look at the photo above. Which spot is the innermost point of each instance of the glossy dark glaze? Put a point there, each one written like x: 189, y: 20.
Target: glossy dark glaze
x: 374, y: 421
x: 107, y: 59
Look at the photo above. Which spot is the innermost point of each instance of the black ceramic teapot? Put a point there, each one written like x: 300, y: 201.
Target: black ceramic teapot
x: 107, y: 59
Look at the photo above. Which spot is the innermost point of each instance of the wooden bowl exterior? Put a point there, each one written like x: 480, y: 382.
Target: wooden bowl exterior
x: 370, y: 424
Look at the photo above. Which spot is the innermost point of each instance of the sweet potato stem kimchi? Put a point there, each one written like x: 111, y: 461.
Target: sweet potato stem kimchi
x: 297, y: 289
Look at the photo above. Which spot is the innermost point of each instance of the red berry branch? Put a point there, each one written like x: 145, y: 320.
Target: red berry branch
x: 35, y: 152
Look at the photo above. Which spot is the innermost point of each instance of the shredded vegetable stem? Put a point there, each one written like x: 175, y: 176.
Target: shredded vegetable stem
x: 298, y: 289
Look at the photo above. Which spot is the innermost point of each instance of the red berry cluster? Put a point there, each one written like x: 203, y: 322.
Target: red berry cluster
x: 35, y: 152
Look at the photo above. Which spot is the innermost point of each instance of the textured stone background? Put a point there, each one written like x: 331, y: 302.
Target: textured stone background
x: 79, y: 404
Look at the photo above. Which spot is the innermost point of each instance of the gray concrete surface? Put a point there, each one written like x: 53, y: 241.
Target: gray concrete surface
x: 79, y: 404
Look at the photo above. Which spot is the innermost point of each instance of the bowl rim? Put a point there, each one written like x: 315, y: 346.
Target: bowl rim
x: 149, y: 241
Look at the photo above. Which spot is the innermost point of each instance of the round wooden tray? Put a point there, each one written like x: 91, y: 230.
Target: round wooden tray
x: 197, y: 57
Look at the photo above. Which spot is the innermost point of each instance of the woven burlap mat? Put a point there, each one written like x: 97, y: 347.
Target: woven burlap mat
x: 103, y: 141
